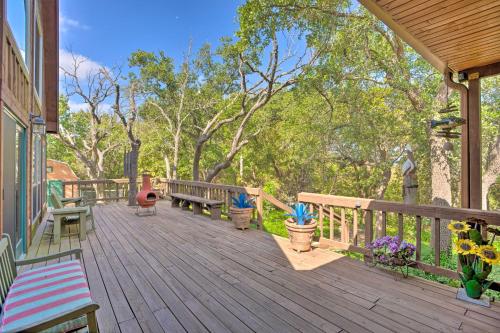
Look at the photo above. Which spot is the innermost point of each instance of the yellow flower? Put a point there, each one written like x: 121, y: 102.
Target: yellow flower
x: 466, y: 246
x: 488, y: 254
x: 458, y: 227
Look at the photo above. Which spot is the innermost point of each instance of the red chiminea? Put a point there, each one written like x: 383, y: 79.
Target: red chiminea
x: 146, y: 198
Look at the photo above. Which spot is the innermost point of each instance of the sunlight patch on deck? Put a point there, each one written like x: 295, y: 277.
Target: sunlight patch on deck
x: 305, y: 261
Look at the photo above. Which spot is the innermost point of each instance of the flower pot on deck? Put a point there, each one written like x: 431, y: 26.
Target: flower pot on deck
x: 483, y: 300
x: 301, y: 235
x: 241, y: 217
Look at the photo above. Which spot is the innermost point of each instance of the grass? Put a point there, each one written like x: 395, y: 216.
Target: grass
x: 274, y: 224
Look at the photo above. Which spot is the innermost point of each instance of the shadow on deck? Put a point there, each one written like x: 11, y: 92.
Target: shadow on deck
x: 176, y: 272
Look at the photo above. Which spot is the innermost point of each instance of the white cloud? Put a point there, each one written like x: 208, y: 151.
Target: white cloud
x: 86, y: 66
x: 66, y: 24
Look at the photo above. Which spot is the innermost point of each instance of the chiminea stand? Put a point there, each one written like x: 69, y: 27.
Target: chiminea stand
x: 146, y: 198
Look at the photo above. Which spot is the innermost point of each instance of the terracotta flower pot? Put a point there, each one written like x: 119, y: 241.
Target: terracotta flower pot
x: 300, y: 235
x: 241, y: 217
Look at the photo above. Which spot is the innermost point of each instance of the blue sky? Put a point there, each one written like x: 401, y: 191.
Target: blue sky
x: 108, y: 31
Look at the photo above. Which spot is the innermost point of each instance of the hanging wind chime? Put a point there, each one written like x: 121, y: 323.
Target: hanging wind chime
x: 445, y: 127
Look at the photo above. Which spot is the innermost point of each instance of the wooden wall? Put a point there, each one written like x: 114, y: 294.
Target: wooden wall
x: 17, y: 92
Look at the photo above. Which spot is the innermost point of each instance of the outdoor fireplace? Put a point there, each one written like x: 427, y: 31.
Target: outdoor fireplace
x: 146, y: 198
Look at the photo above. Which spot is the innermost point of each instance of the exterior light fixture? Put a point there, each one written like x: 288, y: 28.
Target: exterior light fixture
x: 38, y: 125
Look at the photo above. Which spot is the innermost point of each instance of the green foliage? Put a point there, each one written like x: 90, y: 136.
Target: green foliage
x: 476, y: 237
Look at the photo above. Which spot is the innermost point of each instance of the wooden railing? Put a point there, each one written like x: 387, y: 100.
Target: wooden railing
x: 225, y: 193
x: 356, y: 228
x: 97, y: 189
x: 103, y: 190
x: 217, y: 192
x: 15, y: 75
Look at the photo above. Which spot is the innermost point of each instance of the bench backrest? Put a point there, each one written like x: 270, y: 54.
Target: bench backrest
x: 56, y: 199
x: 7, y: 266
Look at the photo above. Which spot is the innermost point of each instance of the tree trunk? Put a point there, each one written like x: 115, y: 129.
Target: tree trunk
x: 440, y: 178
x: 196, y: 159
x: 177, y: 140
x: 134, y: 158
x: 241, y: 167
x: 167, y: 166
x: 380, y: 190
x: 491, y: 172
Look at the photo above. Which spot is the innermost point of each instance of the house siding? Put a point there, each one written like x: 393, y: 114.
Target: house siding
x: 18, y: 94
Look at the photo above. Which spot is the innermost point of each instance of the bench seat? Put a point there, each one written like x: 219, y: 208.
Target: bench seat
x: 44, y: 294
x: 214, y: 206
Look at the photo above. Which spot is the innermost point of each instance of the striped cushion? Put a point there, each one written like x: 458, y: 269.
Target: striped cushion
x: 43, y: 294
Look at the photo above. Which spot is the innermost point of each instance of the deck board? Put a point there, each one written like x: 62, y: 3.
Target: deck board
x: 177, y: 272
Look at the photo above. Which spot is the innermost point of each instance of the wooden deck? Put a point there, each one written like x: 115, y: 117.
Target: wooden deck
x: 176, y: 272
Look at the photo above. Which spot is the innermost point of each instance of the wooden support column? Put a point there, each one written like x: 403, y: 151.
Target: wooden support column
x: 474, y: 141
x: 466, y: 160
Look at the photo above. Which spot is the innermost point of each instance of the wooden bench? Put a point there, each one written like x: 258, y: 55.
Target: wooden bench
x: 55, y: 297
x: 184, y: 200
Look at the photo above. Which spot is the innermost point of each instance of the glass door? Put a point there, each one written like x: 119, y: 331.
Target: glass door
x: 14, y: 182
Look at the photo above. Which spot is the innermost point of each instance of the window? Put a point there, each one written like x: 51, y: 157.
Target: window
x: 44, y: 174
x: 36, y: 188
x: 17, y: 16
x: 38, y: 61
x: 50, y: 169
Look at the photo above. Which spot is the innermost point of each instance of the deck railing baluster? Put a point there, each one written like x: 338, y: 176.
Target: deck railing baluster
x: 345, y: 227
x: 332, y: 226
x: 418, y: 236
x: 355, y: 227
x: 437, y: 241
x: 400, y: 226
x: 384, y: 224
x: 321, y: 220
x: 368, y: 230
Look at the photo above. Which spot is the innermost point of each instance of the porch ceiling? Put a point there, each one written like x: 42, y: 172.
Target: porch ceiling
x: 449, y: 34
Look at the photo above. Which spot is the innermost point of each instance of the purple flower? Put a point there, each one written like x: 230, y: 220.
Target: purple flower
x: 393, y: 247
x: 387, y: 248
x: 380, y: 242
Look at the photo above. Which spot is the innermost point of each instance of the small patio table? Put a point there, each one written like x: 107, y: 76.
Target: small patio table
x: 60, y: 213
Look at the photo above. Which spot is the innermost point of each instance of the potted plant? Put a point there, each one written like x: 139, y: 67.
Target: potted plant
x: 301, y: 226
x: 241, y: 211
x: 394, y: 253
x: 477, y: 257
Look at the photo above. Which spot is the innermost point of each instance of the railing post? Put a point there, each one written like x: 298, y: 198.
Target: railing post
x: 260, y: 208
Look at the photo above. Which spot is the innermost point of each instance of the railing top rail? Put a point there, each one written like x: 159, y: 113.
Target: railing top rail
x: 232, y: 188
x: 95, y: 181
x: 11, y: 40
x: 448, y: 213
